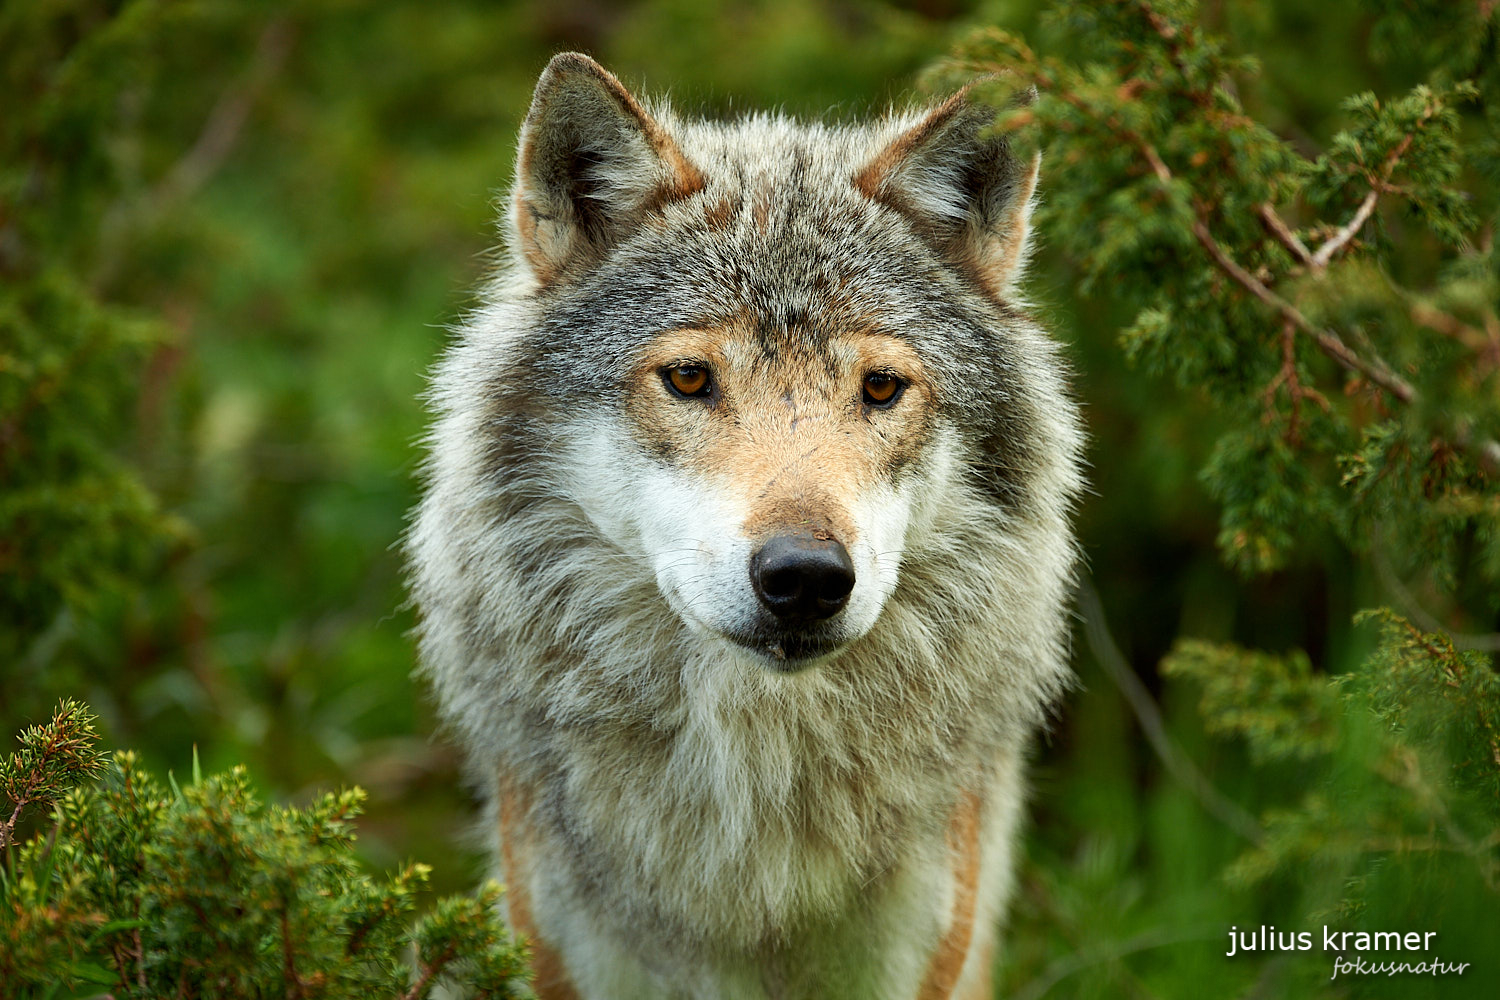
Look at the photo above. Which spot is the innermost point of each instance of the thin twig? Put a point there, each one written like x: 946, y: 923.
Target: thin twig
x: 428, y: 972
x: 1148, y: 715
x: 6, y: 826
x: 1346, y: 232
x: 1283, y: 232
x: 220, y: 132
x: 294, y: 989
x: 1430, y: 316
x: 1329, y: 342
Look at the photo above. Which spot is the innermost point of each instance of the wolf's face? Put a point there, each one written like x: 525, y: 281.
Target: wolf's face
x: 776, y: 480
x: 774, y: 346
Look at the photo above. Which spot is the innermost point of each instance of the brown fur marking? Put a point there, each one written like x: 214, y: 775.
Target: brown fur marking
x: 684, y: 179
x: 526, y: 219
x: 947, y: 962
x: 551, y: 982
x: 720, y: 213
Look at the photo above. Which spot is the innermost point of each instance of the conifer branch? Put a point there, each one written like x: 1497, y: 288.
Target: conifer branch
x: 1413, y: 609
x: 1346, y: 232
x: 1328, y: 342
x: 1476, y: 340
x: 430, y: 971
x: 53, y: 757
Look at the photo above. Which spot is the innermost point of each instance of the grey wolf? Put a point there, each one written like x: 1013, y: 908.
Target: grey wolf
x: 744, y: 558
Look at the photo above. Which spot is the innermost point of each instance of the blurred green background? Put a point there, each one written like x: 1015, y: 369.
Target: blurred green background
x: 262, y: 217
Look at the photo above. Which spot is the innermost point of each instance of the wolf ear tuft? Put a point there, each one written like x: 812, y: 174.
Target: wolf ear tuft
x: 966, y: 193
x: 592, y: 165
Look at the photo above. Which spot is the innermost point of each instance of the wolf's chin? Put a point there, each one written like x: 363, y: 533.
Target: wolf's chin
x: 791, y: 653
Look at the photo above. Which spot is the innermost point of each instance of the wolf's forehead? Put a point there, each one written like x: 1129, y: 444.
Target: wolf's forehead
x: 764, y: 149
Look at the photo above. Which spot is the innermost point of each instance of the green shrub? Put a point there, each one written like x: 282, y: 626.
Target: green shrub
x: 137, y: 889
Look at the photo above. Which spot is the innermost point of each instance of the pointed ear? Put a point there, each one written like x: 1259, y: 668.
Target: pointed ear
x: 969, y: 196
x: 593, y: 163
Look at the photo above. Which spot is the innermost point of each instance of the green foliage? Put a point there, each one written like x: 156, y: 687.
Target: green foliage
x: 1282, y: 709
x: 141, y: 890
x: 52, y: 758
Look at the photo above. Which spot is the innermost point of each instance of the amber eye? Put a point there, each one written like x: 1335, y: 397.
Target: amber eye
x: 882, y: 389
x: 687, y: 380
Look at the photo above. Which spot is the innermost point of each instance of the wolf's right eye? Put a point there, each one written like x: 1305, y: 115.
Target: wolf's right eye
x: 687, y: 380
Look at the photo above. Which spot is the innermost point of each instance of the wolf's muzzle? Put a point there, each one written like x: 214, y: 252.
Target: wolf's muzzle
x: 800, y: 577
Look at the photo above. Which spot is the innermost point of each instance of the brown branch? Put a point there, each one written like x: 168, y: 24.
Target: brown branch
x: 1449, y: 325
x: 294, y: 982
x: 1341, y: 239
x: 140, y: 953
x: 7, y: 826
x: 1296, y: 391
x: 1412, y: 608
x: 1346, y: 232
x: 1279, y: 229
x: 429, y: 972
x: 121, y: 958
x: 1328, y: 342
x: 1173, y: 40
x: 1152, y: 157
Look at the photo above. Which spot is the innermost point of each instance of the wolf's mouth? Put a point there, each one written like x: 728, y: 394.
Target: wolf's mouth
x: 787, y: 652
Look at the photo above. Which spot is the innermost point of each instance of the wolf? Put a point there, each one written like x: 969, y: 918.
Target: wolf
x: 744, y: 559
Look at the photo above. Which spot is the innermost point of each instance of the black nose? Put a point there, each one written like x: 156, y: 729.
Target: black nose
x: 801, y: 578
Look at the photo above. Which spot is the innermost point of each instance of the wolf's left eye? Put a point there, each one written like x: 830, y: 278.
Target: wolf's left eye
x: 687, y: 380
x: 882, y: 389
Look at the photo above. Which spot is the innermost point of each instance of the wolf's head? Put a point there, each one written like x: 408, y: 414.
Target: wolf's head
x: 777, y: 349
x: 777, y: 369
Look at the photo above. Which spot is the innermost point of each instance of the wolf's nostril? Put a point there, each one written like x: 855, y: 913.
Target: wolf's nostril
x: 800, y: 578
